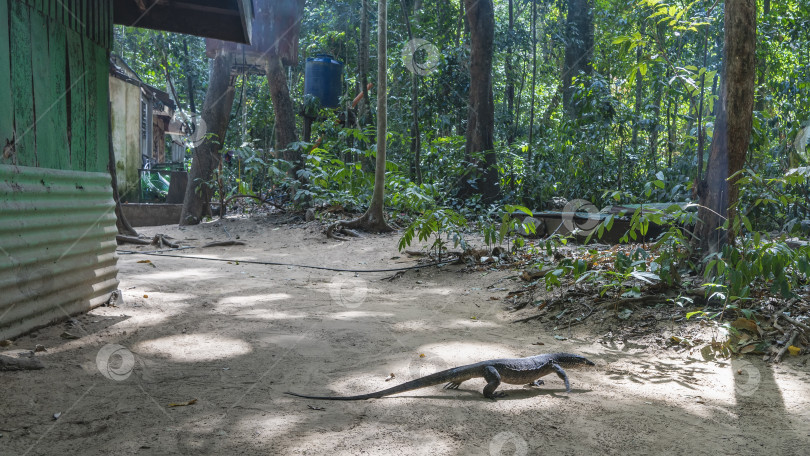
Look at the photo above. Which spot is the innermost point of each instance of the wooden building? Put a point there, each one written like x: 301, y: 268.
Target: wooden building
x: 140, y: 115
x: 57, y: 224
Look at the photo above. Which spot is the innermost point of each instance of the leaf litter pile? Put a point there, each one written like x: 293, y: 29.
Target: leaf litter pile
x: 636, y: 304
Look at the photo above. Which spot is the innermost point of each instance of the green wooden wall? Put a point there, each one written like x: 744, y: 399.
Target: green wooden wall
x: 54, y: 69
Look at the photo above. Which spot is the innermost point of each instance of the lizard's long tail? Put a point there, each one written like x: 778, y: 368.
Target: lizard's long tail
x: 438, y: 378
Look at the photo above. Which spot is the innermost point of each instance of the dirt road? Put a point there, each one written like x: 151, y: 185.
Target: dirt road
x: 235, y: 336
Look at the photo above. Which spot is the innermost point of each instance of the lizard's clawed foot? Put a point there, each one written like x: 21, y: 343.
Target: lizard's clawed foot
x: 497, y: 395
x: 452, y: 386
x: 537, y: 383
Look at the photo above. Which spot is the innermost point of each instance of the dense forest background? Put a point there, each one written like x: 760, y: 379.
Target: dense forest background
x: 615, y: 104
x: 600, y: 100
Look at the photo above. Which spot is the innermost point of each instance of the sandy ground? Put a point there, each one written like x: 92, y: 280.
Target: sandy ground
x: 235, y: 336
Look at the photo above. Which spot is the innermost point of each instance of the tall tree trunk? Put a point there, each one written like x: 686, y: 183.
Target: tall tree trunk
x: 481, y: 110
x: 578, y: 50
x: 374, y: 215
x: 283, y: 110
x: 206, y: 157
x: 520, y: 97
x: 510, y: 79
x: 464, y: 36
x: 639, y: 94
x: 416, y: 145
x: 189, y: 77
x: 656, y: 124
x: 719, y: 191
x: 533, y: 28
x: 701, y: 137
x: 362, y: 64
x: 762, y: 66
x: 374, y: 218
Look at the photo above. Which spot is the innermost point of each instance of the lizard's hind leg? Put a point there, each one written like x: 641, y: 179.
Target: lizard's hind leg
x: 493, y: 379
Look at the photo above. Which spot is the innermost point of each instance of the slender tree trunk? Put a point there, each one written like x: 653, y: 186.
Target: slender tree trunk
x: 464, y: 8
x: 189, y: 77
x: 520, y: 98
x: 578, y: 50
x: 362, y: 64
x: 656, y: 125
x: 762, y: 66
x: 374, y: 218
x: 510, y: 81
x: 701, y: 137
x: 639, y: 94
x: 533, y: 28
x: 206, y: 157
x: 284, y: 112
x: 481, y: 110
x: 459, y: 22
x: 415, y: 139
x: 464, y: 37
x: 719, y: 191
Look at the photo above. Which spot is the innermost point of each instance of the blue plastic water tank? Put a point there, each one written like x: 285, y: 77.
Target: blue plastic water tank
x: 322, y: 79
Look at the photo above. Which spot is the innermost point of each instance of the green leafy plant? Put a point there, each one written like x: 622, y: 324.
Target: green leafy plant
x: 439, y: 224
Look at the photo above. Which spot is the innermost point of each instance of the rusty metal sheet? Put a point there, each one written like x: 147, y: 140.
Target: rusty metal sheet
x: 57, y: 245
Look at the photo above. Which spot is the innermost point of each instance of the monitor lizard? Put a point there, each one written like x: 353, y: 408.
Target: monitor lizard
x: 515, y: 371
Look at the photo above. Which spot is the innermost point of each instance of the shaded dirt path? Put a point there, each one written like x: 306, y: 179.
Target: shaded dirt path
x: 236, y: 336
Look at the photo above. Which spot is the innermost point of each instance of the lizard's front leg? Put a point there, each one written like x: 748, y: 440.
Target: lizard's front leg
x: 493, y: 379
x: 561, y: 373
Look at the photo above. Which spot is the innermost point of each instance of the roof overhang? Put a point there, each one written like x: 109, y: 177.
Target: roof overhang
x: 229, y: 20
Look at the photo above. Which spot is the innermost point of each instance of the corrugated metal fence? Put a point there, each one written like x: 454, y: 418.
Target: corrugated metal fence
x: 58, y: 252
x: 57, y: 224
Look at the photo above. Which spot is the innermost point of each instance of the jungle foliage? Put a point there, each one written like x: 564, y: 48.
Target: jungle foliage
x: 634, y: 125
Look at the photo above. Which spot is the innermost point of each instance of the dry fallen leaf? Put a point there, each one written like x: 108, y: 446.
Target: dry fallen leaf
x: 183, y: 404
x: 145, y: 296
x: 746, y: 324
x: 144, y: 261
